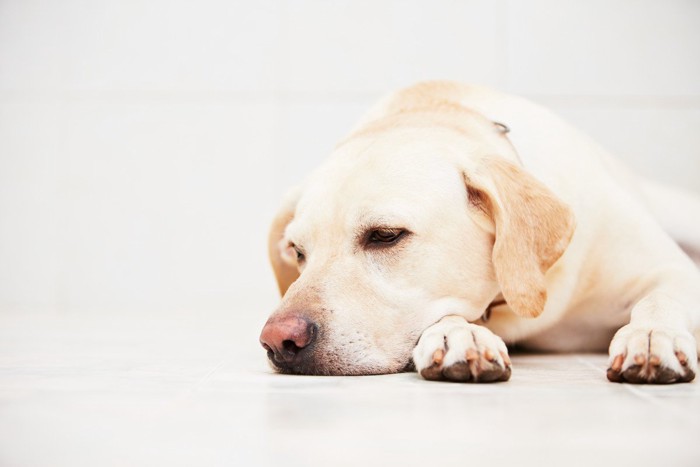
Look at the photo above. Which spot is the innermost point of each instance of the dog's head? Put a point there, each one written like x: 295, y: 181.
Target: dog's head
x: 416, y: 216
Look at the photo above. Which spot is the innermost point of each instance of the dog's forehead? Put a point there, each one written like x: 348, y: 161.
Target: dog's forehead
x: 391, y: 180
x: 398, y: 163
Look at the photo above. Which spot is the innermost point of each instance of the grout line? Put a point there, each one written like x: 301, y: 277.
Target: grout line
x: 168, y: 404
x: 508, y: 49
x: 616, y: 100
x: 183, y: 95
x: 207, y: 377
x: 590, y: 365
x: 668, y: 408
x: 643, y: 395
x: 284, y: 96
x: 504, y: 10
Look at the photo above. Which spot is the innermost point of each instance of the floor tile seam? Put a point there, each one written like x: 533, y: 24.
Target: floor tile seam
x: 208, y: 376
x: 172, y: 402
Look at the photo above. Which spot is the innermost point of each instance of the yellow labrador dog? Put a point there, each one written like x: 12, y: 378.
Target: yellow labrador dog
x: 434, y: 236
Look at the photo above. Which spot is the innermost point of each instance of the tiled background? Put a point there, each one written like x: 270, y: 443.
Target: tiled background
x: 144, y: 145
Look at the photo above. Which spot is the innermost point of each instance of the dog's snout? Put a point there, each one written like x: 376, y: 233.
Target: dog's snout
x: 288, y: 339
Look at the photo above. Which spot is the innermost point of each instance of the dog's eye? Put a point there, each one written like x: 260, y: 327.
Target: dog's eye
x: 300, y: 254
x: 385, y: 236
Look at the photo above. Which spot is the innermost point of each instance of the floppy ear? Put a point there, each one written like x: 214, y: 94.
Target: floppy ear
x: 532, y: 228
x: 281, y: 258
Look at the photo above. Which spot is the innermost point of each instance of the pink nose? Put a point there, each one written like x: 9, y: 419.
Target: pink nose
x: 286, y: 337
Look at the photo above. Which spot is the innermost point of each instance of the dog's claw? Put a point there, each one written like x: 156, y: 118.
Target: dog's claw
x: 614, y: 372
x: 682, y: 358
x: 506, y: 358
x: 617, y: 363
x: 438, y: 356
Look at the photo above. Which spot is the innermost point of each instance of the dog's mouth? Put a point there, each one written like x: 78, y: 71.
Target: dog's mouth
x: 331, y: 365
x: 294, y: 365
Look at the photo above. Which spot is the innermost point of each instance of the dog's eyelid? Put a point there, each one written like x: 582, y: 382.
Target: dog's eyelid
x: 381, y: 236
x: 382, y: 228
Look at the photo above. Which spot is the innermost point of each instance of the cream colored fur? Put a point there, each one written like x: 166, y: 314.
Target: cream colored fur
x: 541, y: 216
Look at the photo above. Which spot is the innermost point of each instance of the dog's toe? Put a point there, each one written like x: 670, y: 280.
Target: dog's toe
x: 458, y: 372
x: 495, y: 372
x: 456, y: 350
x: 652, y: 356
x: 433, y: 372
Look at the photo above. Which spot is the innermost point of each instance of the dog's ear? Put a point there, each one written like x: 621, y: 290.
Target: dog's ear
x: 532, y: 229
x: 281, y: 254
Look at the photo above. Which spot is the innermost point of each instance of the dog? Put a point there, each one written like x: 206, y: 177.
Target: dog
x: 455, y: 220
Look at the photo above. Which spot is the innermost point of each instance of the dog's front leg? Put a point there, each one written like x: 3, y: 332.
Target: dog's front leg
x: 657, y: 346
x: 455, y: 350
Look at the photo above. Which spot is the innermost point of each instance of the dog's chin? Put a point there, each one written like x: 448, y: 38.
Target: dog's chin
x: 327, y: 369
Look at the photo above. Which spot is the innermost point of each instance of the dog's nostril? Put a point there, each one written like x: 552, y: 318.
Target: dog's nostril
x: 290, y: 347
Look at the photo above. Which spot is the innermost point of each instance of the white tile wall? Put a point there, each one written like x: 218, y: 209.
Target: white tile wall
x: 163, y: 221
x: 159, y: 46
x: 144, y: 145
x: 308, y: 130
x: 370, y: 46
x: 28, y: 208
x: 598, y: 47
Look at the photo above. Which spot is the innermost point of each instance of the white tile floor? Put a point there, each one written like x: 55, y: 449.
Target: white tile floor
x: 88, y: 391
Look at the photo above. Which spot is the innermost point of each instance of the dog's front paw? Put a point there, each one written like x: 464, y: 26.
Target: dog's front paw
x: 657, y: 356
x: 455, y: 350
